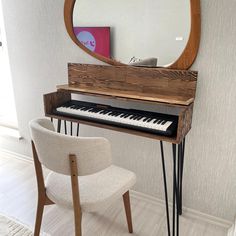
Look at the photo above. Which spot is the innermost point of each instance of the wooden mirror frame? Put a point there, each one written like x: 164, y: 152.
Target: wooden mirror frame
x: 185, y: 60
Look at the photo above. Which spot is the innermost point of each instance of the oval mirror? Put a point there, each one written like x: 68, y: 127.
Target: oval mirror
x: 163, y: 33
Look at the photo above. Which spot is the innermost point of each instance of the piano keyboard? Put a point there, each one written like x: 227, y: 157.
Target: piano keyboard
x: 146, y: 121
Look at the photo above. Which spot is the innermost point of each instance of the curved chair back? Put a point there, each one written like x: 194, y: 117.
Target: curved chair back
x: 53, y: 149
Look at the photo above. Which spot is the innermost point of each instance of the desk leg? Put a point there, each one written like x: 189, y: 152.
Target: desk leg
x: 175, y: 195
x: 165, y: 187
x: 180, y: 175
x: 65, y: 126
x: 178, y: 163
x: 77, y: 133
x: 58, y: 126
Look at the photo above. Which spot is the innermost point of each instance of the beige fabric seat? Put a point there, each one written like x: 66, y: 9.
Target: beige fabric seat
x: 97, y: 191
x: 82, y: 176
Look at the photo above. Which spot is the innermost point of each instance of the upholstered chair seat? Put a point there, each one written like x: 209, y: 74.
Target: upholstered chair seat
x: 97, y: 191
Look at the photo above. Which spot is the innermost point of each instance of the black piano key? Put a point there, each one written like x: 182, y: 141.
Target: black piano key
x: 156, y: 120
x: 133, y: 118
x: 164, y: 121
x: 159, y: 122
x: 140, y: 117
x: 123, y: 115
x: 106, y: 112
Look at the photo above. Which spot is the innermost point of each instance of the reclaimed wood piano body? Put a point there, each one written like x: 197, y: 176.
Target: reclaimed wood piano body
x: 174, y: 89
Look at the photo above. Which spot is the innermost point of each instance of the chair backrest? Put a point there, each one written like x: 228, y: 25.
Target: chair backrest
x: 53, y: 149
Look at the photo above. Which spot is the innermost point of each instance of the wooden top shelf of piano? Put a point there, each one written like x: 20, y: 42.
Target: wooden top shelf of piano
x: 159, y: 85
x: 151, y: 97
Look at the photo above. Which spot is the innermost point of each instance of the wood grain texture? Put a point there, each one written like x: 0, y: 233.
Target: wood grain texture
x: 185, y: 60
x: 153, y: 84
x: 128, y: 95
x: 184, y: 123
x: 53, y: 100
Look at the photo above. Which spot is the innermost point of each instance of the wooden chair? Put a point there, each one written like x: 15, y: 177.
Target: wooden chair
x: 82, y: 176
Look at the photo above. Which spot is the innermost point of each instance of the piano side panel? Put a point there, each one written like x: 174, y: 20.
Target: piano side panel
x: 53, y: 100
x: 184, y: 123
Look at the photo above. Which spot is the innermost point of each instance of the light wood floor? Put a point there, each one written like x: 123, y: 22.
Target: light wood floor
x: 18, y: 195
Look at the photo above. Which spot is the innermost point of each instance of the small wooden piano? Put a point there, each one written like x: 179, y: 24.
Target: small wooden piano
x: 174, y: 89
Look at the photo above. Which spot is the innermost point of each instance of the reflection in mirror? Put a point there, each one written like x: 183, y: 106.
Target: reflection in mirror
x: 141, y: 32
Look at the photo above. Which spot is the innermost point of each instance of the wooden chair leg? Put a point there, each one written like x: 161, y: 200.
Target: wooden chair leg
x: 126, y: 200
x: 39, y: 216
x: 78, y: 223
x: 75, y: 195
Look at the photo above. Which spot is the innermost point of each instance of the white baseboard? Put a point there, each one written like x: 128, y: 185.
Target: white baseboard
x: 10, y: 154
x: 187, y: 212
x: 144, y: 197
x: 232, y: 230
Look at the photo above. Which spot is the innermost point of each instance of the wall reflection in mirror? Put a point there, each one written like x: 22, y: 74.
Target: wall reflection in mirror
x: 144, y: 32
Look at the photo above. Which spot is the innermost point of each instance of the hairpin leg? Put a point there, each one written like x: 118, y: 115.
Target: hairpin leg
x: 58, y: 126
x: 165, y: 187
x: 71, y: 128
x: 65, y: 126
x: 178, y: 161
x: 181, y: 167
x: 174, y: 187
x: 77, y: 133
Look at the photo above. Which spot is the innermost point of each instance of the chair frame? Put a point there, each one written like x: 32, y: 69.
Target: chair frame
x: 43, y: 199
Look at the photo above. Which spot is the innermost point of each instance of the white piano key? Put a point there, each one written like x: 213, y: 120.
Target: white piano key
x: 118, y: 119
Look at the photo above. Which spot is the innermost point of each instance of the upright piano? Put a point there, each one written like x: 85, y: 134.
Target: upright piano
x: 173, y: 89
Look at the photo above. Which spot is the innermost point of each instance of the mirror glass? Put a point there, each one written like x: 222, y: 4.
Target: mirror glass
x: 144, y: 32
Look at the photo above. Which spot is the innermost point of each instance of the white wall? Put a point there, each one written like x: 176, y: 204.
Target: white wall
x: 39, y: 49
x: 133, y: 23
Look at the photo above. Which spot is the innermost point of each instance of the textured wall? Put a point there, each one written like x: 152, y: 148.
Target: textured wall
x: 39, y: 50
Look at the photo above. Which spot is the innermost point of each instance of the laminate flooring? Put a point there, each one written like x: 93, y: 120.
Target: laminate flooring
x: 18, y: 198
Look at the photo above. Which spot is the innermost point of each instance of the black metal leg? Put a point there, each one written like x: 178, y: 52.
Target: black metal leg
x: 178, y: 176
x: 178, y: 161
x: 178, y: 185
x: 182, y: 148
x: 71, y: 128
x: 165, y: 188
x: 174, y: 188
x: 77, y: 133
x: 65, y: 126
x: 58, y: 126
